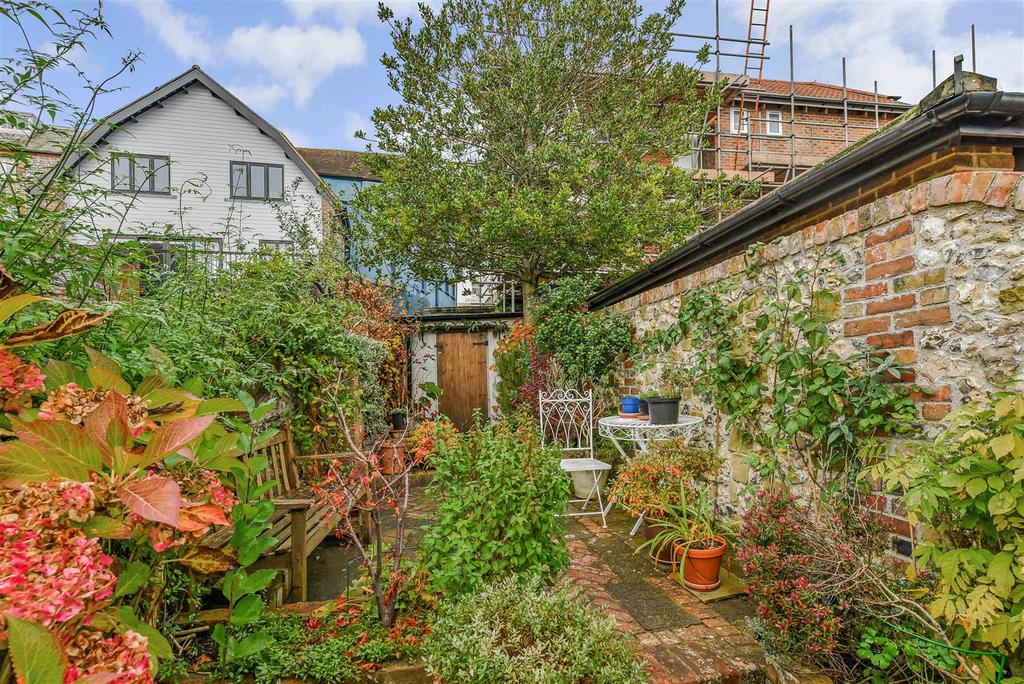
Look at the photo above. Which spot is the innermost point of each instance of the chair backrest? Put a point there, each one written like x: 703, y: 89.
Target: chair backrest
x: 567, y: 419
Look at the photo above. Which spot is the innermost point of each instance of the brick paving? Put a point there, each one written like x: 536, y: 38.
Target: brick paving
x: 684, y: 640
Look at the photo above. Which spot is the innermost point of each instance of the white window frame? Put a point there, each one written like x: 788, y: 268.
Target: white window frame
x: 739, y: 123
x: 773, y: 122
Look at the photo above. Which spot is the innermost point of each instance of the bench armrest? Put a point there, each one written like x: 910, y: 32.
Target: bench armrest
x: 292, y: 504
x: 322, y: 457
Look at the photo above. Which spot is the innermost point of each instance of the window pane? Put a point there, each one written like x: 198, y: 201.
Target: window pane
x: 120, y: 170
x: 239, y: 187
x: 257, y: 180
x: 161, y: 175
x: 276, y: 182
x: 141, y: 179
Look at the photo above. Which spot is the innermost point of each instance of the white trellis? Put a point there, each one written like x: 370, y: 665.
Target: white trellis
x: 567, y: 420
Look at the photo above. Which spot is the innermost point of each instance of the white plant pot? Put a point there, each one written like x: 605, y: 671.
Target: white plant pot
x: 583, y: 483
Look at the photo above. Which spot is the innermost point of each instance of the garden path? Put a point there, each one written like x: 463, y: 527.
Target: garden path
x: 684, y: 640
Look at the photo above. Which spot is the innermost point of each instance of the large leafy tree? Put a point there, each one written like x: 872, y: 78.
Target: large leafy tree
x: 533, y: 141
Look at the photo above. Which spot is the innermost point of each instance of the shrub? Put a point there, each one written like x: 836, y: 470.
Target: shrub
x: 499, y: 494
x: 969, y: 488
x: 517, y: 631
x: 335, y: 644
x: 653, y: 479
x: 825, y: 591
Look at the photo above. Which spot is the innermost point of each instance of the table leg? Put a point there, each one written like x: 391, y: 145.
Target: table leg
x: 636, y: 527
x: 619, y: 448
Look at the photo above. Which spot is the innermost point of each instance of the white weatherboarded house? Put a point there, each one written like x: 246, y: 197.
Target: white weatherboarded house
x: 190, y: 162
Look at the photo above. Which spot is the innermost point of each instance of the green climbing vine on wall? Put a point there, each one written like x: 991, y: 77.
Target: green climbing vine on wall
x: 761, y: 352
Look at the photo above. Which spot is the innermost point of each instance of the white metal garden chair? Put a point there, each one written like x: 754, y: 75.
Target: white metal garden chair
x: 567, y: 419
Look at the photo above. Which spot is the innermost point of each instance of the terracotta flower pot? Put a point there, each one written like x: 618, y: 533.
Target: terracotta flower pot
x: 701, y: 567
x: 392, y: 458
x: 665, y: 555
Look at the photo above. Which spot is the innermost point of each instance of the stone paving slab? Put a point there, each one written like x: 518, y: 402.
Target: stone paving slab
x: 684, y: 640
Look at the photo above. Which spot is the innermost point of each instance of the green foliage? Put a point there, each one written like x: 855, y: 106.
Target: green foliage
x: 767, y: 362
x: 520, y: 632
x: 890, y: 654
x: 968, y: 488
x: 242, y: 589
x: 513, y: 157
x: 588, y: 346
x: 689, y: 523
x: 275, y: 325
x: 656, y: 477
x: 499, y: 494
x: 331, y: 646
x: 512, y: 363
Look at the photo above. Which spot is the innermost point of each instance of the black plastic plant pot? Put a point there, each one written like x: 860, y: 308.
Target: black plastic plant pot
x: 664, y: 410
x: 643, y: 407
x: 399, y: 421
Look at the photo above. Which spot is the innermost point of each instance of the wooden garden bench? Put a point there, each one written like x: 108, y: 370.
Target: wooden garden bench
x: 300, y: 521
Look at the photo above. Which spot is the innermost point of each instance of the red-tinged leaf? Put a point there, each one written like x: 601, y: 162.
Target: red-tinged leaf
x: 153, y: 498
x: 8, y: 285
x: 200, y: 516
x: 207, y: 560
x: 108, y: 426
x: 66, y: 449
x: 172, y: 436
x: 66, y: 323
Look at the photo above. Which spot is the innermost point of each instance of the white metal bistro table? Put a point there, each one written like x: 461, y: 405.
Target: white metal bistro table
x: 641, y: 433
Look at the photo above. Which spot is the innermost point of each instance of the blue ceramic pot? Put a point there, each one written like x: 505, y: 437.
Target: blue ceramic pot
x: 630, y: 404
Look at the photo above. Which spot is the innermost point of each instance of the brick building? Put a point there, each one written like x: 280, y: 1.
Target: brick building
x: 772, y: 130
x: 928, y: 217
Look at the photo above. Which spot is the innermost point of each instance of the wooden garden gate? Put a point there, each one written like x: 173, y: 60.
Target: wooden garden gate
x: 462, y: 374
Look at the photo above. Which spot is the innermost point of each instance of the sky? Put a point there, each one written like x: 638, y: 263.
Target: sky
x: 312, y: 67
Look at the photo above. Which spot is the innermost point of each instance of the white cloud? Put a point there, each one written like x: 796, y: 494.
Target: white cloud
x: 299, y: 57
x: 348, y: 11
x: 297, y: 137
x: 887, y: 41
x: 353, y: 122
x: 185, y: 35
x: 259, y: 96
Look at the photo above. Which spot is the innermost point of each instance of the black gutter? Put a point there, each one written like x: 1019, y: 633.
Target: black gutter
x: 849, y: 169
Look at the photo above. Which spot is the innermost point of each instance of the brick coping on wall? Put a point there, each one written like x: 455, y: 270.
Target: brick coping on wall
x: 992, y: 188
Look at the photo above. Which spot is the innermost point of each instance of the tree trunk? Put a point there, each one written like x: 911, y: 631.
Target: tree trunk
x: 528, y: 288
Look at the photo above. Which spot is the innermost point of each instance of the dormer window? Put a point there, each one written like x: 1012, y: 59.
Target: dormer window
x: 253, y: 180
x: 140, y: 173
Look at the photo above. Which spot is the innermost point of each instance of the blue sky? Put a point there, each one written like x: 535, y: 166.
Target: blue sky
x: 312, y: 67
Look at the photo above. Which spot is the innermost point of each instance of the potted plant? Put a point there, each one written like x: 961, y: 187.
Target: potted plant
x: 644, y: 407
x: 630, y: 404
x: 647, y: 483
x: 690, y: 528
x: 664, y: 407
x: 399, y: 419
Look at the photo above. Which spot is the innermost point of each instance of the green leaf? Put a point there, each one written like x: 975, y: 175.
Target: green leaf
x: 1002, y: 503
x: 253, y: 643
x: 158, y: 644
x: 37, y: 655
x: 247, y: 610
x: 131, y: 579
x: 11, y: 305
x: 220, y: 405
x: 976, y: 487
x: 1002, y: 445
